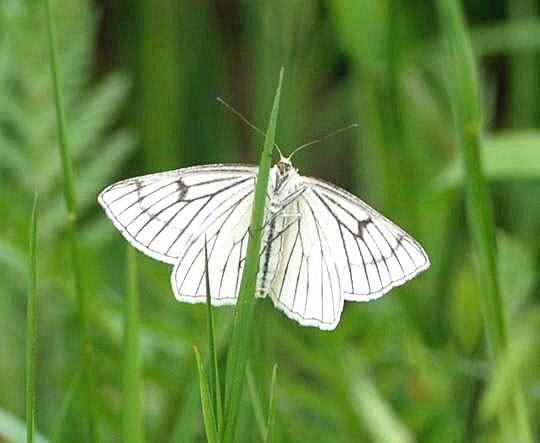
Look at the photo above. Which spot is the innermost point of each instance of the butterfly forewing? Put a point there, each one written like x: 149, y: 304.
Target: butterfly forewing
x: 372, y: 254
x: 161, y: 214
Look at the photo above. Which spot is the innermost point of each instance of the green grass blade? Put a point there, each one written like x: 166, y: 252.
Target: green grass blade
x: 31, y: 324
x: 378, y: 417
x: 74, y: 387
x: 71, y: 205
x: 506, y: 155
x: 206, y: 402
x: 132, y: 422
x: 271, y: 406
x: 213, y: 376
x: 255, y: 402
x: 243, y: 316
x: 466, y: 109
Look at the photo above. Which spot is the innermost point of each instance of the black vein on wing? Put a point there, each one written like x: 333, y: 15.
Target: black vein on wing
x: 339, y: 224
x: 323, y: 259
x: 167, y: 223
x: 302, y: 256
x: 212, y: 213
x: 392, y: 249
x: 141, y: 184
x: 384, y: 258
x: 240, y: 263
x: 180, y: 188
x: 285, y: 271
x: 342, y: 226
x: 231, y: 209
x: 240, y: 267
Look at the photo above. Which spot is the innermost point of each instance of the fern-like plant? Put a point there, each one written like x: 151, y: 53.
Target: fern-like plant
x: 29, y: 161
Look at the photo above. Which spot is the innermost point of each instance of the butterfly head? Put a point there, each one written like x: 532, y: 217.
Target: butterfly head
x: 284, y: 165
x: 284, y: 172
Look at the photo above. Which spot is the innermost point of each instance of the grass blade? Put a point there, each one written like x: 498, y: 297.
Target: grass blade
x: 256, y: 402
x: 206, y: 402
x: 71, y: 205
x: 271, y: 406
x: 213, y: 376
x: 131, y: 411
x: 378, y: 417
x: 74, y: 386
x: 31, y: 328
x: 466, y: 109
x: 243, y: 314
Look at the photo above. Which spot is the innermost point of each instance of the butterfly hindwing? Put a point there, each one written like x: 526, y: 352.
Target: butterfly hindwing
x: 306, y: 285
x: 226, y: 235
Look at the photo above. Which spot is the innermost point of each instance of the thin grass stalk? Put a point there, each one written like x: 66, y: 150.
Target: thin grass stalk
x: 243, y: 317
x: 213, y: 375
x: 256, y: 402
x: 271, y: 406
x: 71, y: 205
x: 206, y: 402
x: 132, y: 423
x: 31, y: 325
x: 65, y: 407
x: 466, y: 108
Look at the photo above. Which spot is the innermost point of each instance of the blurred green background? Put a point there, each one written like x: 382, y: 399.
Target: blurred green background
x: 140, y: 85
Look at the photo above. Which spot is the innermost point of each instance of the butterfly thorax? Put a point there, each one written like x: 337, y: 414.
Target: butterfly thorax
x: 283, y: 189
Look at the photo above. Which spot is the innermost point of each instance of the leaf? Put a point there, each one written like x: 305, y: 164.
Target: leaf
x: 508, y: 155
x: 271, y: 406
x: 243, y: 315
x: 206, y: 401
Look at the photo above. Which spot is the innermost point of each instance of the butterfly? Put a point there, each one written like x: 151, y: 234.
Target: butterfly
x: 321, y: 245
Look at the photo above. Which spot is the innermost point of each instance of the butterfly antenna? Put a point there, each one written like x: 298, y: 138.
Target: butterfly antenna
x: 246, y: 121
x: 324, y: 137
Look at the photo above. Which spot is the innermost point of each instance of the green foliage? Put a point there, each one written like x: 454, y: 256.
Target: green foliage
x: 413, y: 366
x: 132, y: 386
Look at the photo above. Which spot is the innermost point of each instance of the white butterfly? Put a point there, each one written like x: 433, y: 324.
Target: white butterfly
x: 321, y: 244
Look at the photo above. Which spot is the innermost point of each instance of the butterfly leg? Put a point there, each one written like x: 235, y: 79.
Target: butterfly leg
x: 292, y: 197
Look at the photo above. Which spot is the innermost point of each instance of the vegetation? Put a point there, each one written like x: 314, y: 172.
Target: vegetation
x: 448, y: 146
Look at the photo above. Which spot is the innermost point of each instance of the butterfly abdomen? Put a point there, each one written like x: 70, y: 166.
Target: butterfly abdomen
x: 270, y: 252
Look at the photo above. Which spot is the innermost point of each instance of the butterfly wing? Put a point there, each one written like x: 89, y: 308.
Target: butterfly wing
x: 306, y: 284
x: 226, y: 235
x: 168, y: 216
x: 338, y: 249
x: 372, y: 254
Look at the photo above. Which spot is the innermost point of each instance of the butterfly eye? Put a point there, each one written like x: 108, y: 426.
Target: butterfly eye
x: 283, y: 167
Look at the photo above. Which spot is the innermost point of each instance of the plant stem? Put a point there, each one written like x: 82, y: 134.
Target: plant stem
x: 31, y: 328
x: 71, y: 205
x: 243, y: 318
x: 466, y: 108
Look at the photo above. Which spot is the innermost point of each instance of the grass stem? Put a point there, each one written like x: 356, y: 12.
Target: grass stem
x: 71, y: 205
x: 132, y: 417
x: 466, y: 108
x: 31, y: 325
x: 243, y: 319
